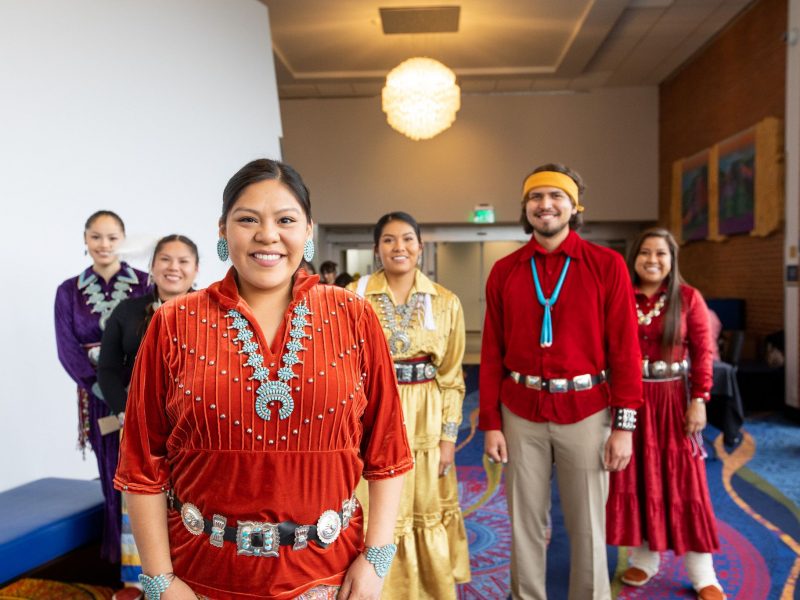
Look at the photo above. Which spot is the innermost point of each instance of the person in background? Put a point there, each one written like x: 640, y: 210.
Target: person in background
x: 255, y: 407
x: 83, y: 305
x: 661, y: 501
x: 547, y: 403
x: 173, y: 270
x: 327, y: 272
x: 343, y: 279
x: 424, y: 325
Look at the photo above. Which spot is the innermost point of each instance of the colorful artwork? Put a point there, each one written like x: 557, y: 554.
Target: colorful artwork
x: 736, y: 183
x: 694, y: 197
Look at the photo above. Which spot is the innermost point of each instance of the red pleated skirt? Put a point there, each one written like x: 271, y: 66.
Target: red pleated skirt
x: 662, y: 495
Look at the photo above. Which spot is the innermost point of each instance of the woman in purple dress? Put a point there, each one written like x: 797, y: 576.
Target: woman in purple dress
x: 83, y: 304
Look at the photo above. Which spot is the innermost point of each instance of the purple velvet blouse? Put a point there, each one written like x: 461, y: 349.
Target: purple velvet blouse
x: 78, y: 327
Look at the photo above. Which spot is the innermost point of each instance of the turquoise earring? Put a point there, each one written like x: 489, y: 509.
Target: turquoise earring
x: 222, y: 249
x: 308, y: 250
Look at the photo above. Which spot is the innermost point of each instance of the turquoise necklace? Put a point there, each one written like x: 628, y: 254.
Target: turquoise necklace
x: 546, y: 337
x: 270, y: 391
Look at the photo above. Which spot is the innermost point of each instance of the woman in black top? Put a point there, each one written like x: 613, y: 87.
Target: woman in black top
x: 173, y: 270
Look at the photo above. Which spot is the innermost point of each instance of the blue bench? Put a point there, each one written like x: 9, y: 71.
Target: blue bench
x: 45, y: 519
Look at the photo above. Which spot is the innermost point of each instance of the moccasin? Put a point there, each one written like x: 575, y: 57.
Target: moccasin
x: 711, y: 592
x: 635, y: 576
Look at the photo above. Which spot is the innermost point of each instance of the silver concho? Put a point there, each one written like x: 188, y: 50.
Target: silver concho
x: 659, y: 368
x: 274, y: 391
x: 329, y: 526
x: 430, y: 371
x: 192, y: 518
x: 399, y: 343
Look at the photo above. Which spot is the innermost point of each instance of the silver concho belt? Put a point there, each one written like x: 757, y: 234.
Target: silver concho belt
x: 559, y: 385
x: 662, y: 370
x: 261, y: 538
x: 415, y: 370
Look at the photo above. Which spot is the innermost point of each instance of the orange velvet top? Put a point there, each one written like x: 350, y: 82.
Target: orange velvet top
x: 191, y: 425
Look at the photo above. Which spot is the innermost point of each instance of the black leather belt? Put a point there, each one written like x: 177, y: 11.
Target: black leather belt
x: 256, y: 538
x: 416, y: 370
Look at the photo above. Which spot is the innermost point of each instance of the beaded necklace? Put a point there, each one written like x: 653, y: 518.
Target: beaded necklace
x: 646, y: 319
x: 399, y: 341
x: 270, y: 391
x: 546, y: 336
x: 96, y: 299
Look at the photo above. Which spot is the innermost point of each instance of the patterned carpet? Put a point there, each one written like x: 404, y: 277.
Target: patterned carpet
x: 44, y: 589
x: 755, y: 491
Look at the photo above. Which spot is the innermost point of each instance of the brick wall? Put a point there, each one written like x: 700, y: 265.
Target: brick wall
x: 730, y: 85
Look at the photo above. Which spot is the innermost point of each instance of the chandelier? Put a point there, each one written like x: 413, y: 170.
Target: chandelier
x: 421, y: 98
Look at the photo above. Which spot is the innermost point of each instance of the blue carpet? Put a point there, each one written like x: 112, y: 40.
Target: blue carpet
x: 754, y: 488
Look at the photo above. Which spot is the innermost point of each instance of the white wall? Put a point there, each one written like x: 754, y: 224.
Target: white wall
x: 143, y: 107
x: 358, y: 168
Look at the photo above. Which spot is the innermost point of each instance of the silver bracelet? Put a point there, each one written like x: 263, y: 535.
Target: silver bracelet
x: 450, y: 429
x: 381, y: 557
x: 155, y: 586
x: 625, y: 419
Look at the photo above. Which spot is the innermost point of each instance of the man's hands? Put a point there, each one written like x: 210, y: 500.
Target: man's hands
x: 618, y: 451
x: 494, y: 444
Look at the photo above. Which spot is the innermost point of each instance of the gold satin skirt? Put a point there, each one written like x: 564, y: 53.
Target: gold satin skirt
x: 432, y: 551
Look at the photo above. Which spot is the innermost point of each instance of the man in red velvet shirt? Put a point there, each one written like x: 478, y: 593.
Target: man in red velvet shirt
x: 559, y: 350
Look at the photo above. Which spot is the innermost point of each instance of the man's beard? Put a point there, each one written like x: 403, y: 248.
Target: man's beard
x: 548, y: 233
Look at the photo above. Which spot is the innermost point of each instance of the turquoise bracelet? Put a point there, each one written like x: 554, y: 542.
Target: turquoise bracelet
x: 381, y: 558
x: 155, y: 586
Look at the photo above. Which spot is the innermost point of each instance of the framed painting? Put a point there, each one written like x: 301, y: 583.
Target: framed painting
x: 694, y: 177
x: 736, y: 166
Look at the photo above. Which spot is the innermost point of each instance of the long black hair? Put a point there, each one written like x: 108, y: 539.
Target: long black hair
x: 672, y: 315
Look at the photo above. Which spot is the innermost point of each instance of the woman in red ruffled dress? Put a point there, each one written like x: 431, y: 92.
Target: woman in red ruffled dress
x: 661, y: 501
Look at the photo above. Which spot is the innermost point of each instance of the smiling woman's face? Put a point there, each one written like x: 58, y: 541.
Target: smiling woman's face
x: 266, y: 230
x: 102, y: 238
x: 398, y: 247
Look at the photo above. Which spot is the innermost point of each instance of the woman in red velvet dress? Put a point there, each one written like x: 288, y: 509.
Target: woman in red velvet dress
x: 661, y: 501
x: 255, y: 407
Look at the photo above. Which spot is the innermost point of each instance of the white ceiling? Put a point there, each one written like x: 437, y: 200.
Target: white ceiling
x: 337, y: 48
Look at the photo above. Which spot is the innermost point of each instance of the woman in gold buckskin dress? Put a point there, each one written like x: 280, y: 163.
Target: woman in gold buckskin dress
x: 424, y: 325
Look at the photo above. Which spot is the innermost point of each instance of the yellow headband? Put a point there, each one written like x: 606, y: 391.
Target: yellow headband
x: 553, y: 179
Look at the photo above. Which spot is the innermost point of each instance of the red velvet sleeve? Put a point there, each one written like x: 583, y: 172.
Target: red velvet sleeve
x: 700, y: 344
x: 384, y: 444
x: 623, y: 356
x: 492, y: 370
x: 143, y: 464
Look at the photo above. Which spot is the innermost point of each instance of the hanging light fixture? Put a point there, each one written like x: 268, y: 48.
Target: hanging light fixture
x: 421, y: 98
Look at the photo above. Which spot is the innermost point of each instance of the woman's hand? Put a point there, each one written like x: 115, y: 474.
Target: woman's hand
x: 695, y: 417
x: 447, y: 455
x: 361, y: 581
x: 178, y: 590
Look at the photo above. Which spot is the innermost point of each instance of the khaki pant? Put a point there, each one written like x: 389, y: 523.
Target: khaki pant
x: 577, y: 452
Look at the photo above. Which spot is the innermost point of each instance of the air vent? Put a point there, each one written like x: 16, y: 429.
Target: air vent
x: 420, y: 19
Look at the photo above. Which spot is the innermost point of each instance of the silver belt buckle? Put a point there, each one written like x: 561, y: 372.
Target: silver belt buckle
x: 515, y: 376
x: 256, y: 538
x: 582, y: 382
x: 558, y: 386
x: 533, y: 382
